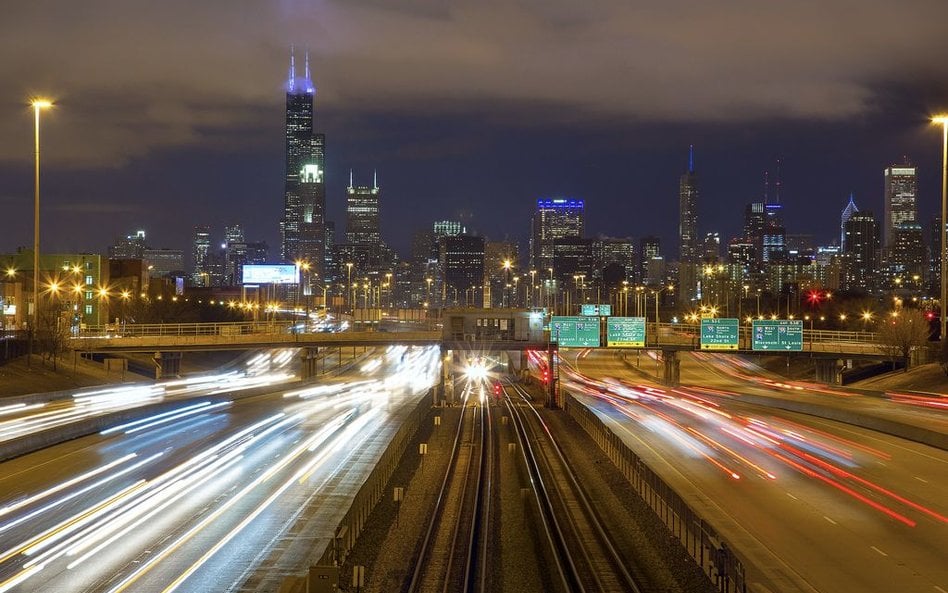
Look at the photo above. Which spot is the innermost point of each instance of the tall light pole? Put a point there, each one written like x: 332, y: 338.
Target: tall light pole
x: 943, y: 120
x: 38, y: 105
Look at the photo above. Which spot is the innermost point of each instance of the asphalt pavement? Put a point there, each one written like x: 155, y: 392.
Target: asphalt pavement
x: 810, y: 504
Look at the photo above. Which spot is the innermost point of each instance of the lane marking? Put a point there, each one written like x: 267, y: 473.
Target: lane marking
x: 940, y: 589
x: 830, y: 520
x: 792, y: 496
x: 878, y: 550
x: 924, y: 481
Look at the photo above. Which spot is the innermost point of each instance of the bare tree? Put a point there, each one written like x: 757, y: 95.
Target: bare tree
x: 901, y: 334
x: 53, y: 328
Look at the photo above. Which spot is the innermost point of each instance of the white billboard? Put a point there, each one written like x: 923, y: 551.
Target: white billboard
x: 271, y: 274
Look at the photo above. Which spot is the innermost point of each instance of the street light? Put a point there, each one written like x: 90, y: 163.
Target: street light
x: 943, y: 120
x: 38, y: 105
x: 349, y: 290
x: 658, y: 292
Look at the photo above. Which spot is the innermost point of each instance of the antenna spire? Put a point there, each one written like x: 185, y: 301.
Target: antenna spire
x: 777, y: 183
x: 691, y: 158
x: 375, y: 178
x: 291, y: 79
x: 307, y: 64
x: 350, y: 177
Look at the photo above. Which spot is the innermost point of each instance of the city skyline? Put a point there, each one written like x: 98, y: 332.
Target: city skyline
x: 207, y: 141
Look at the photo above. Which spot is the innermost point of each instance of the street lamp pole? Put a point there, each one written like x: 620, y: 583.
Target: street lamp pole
x: 943, y: 120
x: 38, y: 105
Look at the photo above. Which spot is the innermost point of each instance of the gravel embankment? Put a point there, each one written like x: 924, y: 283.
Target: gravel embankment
x: 636, y: 530
x: 517, y: 553
x: 390, y: 542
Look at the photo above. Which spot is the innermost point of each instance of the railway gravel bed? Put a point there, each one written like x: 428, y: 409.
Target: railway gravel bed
x: 660, y: 560
x: 388, y: 548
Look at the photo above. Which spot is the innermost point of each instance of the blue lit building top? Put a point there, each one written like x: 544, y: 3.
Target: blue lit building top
x: 295, y: 84
x: 561, y: 203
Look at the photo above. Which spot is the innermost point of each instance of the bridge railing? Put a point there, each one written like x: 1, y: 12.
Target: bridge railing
x: 681, y: 334
x: 135, y: 330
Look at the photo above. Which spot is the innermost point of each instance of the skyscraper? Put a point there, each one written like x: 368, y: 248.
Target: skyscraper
x: 901, y: 190
x: 362, y: 213
x: 200, y: 255
x: 689, y: 250
x: 302, y: 229
x: 848, y: 212
x: 560, y: 218
x: 462, y: 267
x: 861, y: 252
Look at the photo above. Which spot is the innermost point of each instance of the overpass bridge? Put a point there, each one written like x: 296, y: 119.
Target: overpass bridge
x: 168, y: 340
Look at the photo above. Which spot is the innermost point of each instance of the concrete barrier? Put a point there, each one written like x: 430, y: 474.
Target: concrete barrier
x: 60, y: 434
x: 903, y: 430
x: 895, y: 428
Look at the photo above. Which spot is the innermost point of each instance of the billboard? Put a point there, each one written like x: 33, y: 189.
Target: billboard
x: 271, y: 274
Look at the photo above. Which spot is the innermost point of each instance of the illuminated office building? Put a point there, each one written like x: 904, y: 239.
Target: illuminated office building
x: 901, y: 191
x: 302, y: 229
x: 554, y: 219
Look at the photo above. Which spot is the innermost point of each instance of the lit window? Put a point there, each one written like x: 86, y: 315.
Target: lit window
x: 89, y: 280
x: 88, y: 295
x: 88, y: 309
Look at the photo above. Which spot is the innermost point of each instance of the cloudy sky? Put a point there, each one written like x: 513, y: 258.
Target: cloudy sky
x: 170, y: 114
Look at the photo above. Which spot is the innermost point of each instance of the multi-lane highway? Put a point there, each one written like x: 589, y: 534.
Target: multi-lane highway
x: 196, y: 503
x: 813, y: 505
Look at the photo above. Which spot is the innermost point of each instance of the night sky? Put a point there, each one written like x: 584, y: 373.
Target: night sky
x: 170, y: 114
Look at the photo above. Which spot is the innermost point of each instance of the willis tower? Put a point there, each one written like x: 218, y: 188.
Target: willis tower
x: 303, y: 228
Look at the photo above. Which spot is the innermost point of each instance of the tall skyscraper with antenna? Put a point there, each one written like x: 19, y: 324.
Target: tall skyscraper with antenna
x: 689, y: 249
x: 303, y: 227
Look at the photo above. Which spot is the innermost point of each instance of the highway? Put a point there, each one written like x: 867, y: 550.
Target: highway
x: 22, y: 416
x: 195, y: 504
x: 811, y: 504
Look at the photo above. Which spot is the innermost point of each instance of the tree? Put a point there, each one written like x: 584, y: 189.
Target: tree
x: 53, y: 328
x: 899, y: 335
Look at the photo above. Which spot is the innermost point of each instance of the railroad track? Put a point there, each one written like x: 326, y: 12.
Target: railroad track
x: 586, y: 557
x: 453, y: 555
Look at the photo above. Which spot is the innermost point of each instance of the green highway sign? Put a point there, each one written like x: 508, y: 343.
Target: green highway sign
x: 595, y: 310
x: 625, y: 332
x: 719, y: 334
x: 575, y: 332
x: 778, y: 334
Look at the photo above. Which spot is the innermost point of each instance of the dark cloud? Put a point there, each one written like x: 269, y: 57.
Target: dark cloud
x: 170, y: 113
x: 133, y: 76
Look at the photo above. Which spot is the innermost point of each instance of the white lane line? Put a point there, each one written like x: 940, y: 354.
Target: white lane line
x: 792, y: 496
x: 878, y: 550
x: 924, y: 481
x: 830, y: 520
x: 940, y: 589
